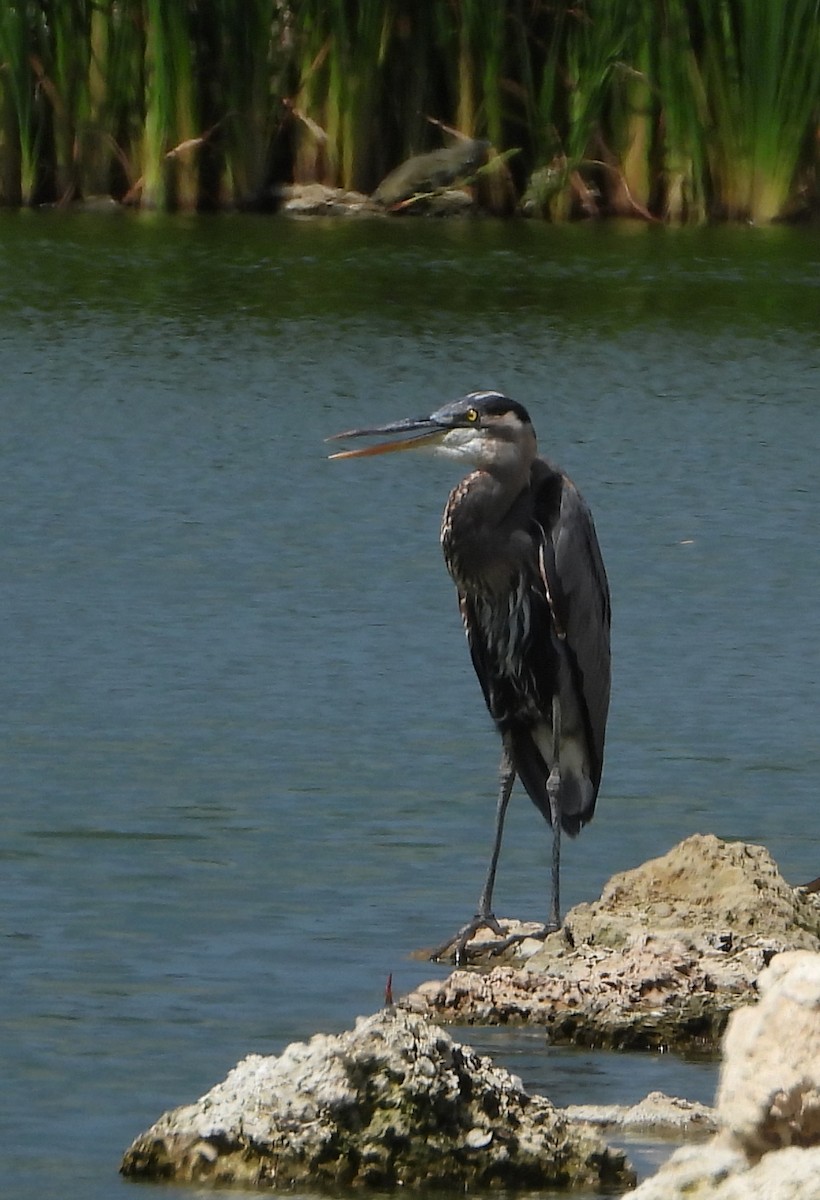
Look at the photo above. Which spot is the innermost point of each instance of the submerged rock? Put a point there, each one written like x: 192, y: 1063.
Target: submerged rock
x: 393, y: 1102
x: 768, y: 1101
x: 659, y: 961
x: 657, y: 1114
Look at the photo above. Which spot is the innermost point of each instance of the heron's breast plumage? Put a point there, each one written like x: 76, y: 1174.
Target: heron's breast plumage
x: 496, y: 578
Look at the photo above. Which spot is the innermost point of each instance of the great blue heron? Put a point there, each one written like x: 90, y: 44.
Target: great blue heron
x: 520, y: 545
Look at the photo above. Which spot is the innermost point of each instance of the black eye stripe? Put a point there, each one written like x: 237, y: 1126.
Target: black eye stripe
x: 500, y: 408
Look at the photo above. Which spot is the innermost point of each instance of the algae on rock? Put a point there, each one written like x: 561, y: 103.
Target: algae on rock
x: 393, y: 1102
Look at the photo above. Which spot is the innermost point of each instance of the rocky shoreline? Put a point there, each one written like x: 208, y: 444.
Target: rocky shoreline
x: 674, y: 954
x: 461, y: 179
x: 660, y: 961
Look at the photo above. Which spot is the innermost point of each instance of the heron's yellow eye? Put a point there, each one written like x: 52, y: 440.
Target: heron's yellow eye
x: 471, y: 415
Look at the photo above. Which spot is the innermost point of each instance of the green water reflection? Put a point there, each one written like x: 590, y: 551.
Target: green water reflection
x: 606, y: 277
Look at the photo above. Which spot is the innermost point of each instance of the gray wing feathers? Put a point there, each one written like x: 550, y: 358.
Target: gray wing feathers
x: 586, y: 610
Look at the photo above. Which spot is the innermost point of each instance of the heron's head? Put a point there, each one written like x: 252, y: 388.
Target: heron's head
x: 483, y: 429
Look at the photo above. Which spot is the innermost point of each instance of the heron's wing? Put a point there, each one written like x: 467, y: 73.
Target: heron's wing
x: 478, y: 653
x: 572, y: 570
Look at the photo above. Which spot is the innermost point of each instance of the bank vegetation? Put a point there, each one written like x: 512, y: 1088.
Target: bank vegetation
x: 677, y: 110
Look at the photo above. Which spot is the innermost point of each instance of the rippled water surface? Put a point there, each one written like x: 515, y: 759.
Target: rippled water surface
x: 246, y: 768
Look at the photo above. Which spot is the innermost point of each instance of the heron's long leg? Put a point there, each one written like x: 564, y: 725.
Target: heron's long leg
x: 484, y: 917
x: 554, y: 794
x: 507, y: 775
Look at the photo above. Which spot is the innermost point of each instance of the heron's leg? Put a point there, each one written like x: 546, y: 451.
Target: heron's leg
x: 484, y: 916
x: 507, y: 776
x: 554, y: 795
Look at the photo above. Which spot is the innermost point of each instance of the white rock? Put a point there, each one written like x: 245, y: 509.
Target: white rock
x: 657, y: 1114
x: 769, y: 1093
x: 768, y: 1101
x: 393, y: 1102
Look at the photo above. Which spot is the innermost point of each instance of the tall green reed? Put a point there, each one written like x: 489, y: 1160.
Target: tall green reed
x: 681, y: 109
x: 23, y: 36
x: 240, y: 109
x: 681, y: 172
x: 761, y: 78
x: 169, y: 148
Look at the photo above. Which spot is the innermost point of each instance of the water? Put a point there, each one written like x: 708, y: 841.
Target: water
x: 246, y: 767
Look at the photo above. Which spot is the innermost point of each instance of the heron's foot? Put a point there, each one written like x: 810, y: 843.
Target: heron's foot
x: 458, y: 943
x: 463, y: 945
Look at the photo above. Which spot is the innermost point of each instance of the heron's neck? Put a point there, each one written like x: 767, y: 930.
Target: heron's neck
x: 476, y: 531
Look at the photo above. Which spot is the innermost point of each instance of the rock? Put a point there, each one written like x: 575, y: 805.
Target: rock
x: 317, y: 200
x: 769, y: 1094
x: 657, y: 1114
x: 652, y: 994
x: 431, y: 172
x: 543, y: 186
x: 393, y: 1102
x: 768, y: 1101
x: 722, y: 890
x: 486, y: 946
x: 659, y: 961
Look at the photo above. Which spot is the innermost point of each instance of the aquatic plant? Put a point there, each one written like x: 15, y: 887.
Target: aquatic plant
x: 760, y: 65
x: 680, y: 109
x: 22, y: 35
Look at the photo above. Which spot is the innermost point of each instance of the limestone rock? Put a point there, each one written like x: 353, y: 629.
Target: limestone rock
x: 659, y: 961
x: 317, y: 200
x: 719, y: 1172
x: 654, y: 993
x: 768, y: 1101
x: 769, y: 1094
x: 393, y: 1102
x: 728, y: 890
x: 657, y: 1114
x: 448, y: 202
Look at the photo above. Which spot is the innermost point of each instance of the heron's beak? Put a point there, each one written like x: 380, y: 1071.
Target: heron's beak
x: 433, y: 432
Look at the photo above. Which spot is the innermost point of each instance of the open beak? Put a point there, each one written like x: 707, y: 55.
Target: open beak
x: 432, y: 433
